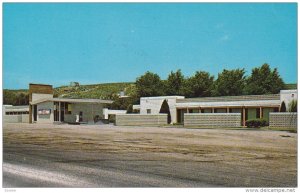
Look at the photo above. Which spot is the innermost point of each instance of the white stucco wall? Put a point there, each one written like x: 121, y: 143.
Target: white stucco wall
x: 107, y: 112
x: 89, y: 111
x: 37, y: 96
x: 287, y: 96
x: 45, y: 118
x: 154, y: 104
x: 12, y: 118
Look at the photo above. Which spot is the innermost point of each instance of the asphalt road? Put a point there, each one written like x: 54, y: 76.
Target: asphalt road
x: 108, y: 156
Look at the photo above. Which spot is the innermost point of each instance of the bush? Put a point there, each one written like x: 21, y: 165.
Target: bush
x: 256, y: 123
x: 112, y: 118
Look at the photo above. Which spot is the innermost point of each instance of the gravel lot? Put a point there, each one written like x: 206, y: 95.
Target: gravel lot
x: 47, y: 155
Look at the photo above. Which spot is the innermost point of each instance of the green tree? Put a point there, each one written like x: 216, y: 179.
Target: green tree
x: 122, y: 103
x: 282, y: 107
x: 129, y: 109
x: 11, y: 97
x: 149, y: 84
x: 174, y: 83
x: 293, y: 106
x: 263, y: 80
x: 230, y: 83
x: 198, y: 85
x: 166, y: 109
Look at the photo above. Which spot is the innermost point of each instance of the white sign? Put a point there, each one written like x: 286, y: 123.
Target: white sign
x: 44, y: 111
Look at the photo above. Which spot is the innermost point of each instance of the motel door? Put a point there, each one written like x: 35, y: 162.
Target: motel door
x: 62, y: 112
x: 56, y: 114
x: 34, y: 112
x: 80, y: 116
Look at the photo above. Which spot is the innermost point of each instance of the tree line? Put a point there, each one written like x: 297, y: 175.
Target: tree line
x: 263, y: 80
x: 15, y: 98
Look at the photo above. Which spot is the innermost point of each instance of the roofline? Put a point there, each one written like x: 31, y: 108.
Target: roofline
x: 273, y: 103
x: 40, y: 84
x: 288, y: 91
x: 70, y: 100
x: 164, y: 97
x: 234, y: 96
x: 82, y: 100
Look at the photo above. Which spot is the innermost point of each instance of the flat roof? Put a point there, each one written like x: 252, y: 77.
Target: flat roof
x: 40, y: 84
x: 231, y: 98
x: 288, y: 91
x: 16, y: 108
x: 91, y: 101
x: 255, y: 103
x: 163, y: 97
x: 82, y: 100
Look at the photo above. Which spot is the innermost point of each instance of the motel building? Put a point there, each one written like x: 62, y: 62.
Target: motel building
x: 247, y: 106
x: 44, y: 108
x: 231, y: 111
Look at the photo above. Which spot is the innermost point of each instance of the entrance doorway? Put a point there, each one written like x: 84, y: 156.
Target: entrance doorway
x: 80, y: 116
x: 62, y: 112
x: 34, y: 112
x: 165, y: 109
x: 56, y: 113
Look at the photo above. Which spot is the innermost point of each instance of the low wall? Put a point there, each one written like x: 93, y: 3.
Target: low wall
x: 16, y: 118
x: 287, y: 119
x: 141, y: 120
x: 212, y: 119
x: 25, y: 118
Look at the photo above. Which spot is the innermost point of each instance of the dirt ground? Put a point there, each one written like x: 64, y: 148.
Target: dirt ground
x: 151, y: 156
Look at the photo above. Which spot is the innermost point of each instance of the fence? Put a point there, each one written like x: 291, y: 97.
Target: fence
x: 212, y: 119
x: 141, y: 120
x: 288, y: 120
x: 24, y: 118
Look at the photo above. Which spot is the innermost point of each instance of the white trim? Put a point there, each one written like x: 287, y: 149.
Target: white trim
x: 164, y: 97
x: 230, y: 104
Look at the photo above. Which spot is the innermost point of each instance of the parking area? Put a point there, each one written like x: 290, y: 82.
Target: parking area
x: 119, y: 156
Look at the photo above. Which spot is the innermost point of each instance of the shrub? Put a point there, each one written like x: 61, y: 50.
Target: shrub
x: 293, y: 106
x: 256, y: 123
x: 112, y: 118
x: 282, y: 107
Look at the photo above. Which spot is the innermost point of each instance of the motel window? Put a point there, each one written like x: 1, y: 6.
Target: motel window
x: 68, y: 108
x: 148, y: 111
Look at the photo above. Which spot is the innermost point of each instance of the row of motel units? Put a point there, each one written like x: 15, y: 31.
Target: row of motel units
x: 250, y: 106
x: 44, y: 108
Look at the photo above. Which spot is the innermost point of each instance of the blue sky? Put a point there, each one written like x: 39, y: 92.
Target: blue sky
x: 109, y: 42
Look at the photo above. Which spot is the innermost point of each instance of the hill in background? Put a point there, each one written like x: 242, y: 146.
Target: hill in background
x: 96, y: 91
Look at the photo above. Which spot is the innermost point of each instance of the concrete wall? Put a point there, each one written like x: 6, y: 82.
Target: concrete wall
x: 45, y: 118
x: 16, y: 118
x: 288, y: 120
x: 12, y: 118
x: 154, y: 103
x: 89, y: 111
x: 212, y: 119
x: 25, y: 118
x: 141, y: 120
x: 107, y: 112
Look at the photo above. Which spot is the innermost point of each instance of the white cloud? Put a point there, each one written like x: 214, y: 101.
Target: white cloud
x: 225, y: 37
x: 219, y: 25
